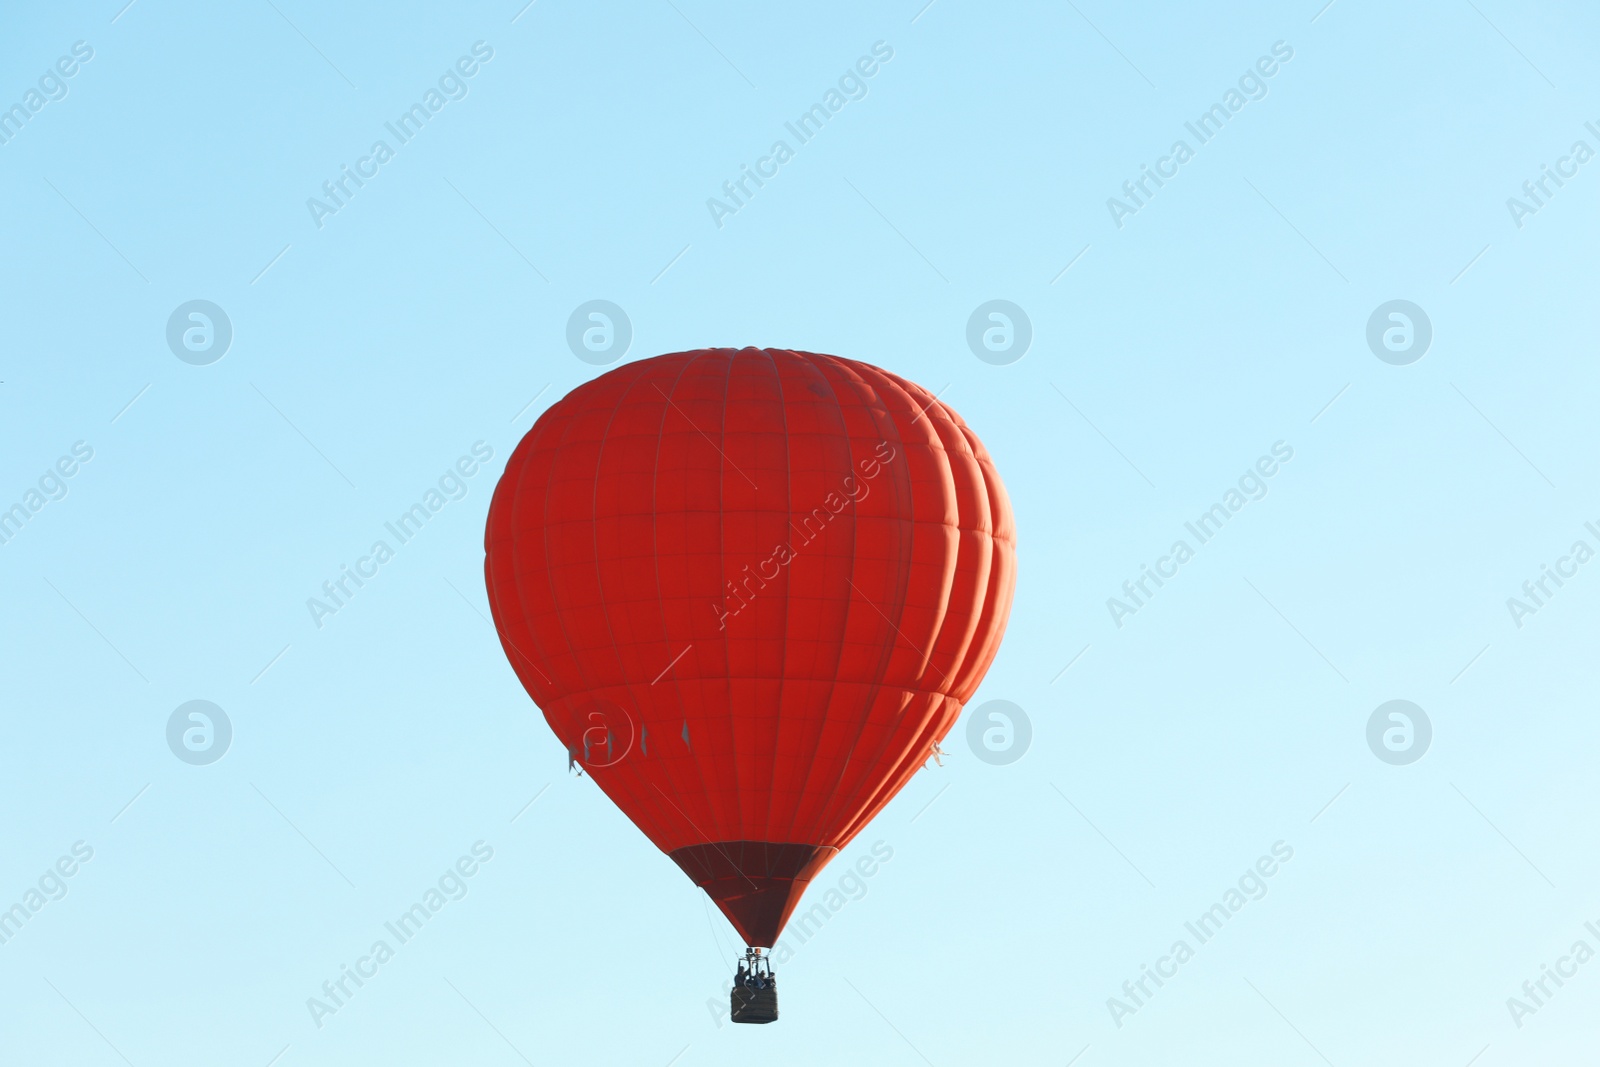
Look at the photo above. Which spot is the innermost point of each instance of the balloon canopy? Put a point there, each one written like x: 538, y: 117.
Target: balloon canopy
x: 751, y: 589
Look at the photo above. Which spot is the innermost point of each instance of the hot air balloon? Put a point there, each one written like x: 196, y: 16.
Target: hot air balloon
x: 751, y: 590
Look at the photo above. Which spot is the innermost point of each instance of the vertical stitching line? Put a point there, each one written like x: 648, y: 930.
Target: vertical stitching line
x: 783, y: 643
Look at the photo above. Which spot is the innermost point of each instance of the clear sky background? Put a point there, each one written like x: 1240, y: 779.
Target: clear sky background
x: 1228, y: 714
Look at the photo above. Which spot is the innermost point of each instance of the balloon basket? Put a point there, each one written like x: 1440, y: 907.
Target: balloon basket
x: 754, y: 998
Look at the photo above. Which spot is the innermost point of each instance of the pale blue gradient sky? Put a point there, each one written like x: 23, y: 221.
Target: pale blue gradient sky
x: 424, y: 317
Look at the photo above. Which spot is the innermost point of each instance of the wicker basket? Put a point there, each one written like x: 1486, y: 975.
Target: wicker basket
x: 755, y: 1005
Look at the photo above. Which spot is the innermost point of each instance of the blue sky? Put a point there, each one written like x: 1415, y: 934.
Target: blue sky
x: 373, y: 347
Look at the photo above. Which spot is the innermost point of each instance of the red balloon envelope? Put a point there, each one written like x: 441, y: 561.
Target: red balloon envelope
x: 750, y: 589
